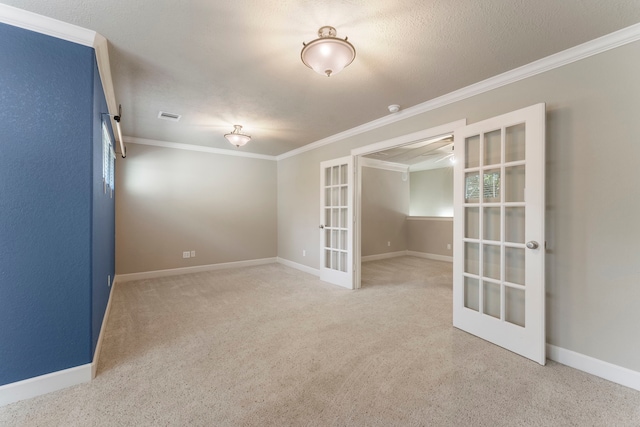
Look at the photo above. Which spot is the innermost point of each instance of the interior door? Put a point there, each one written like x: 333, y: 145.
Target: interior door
x: 498, y: 289
x: 336, y: 219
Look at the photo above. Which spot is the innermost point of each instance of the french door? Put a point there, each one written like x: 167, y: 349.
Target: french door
x: 336, y: 222
x: 498, y: 290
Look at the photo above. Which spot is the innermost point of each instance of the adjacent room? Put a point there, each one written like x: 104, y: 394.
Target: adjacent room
x: 335, y: 213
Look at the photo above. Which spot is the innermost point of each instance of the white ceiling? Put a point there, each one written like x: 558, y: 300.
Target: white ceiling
x: 220, y: 63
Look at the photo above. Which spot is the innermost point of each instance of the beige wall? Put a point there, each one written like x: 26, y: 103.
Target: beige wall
x: 169, y: 201
x: 432, y: 192
x: 385, y: 205
x: 430, y: 235
x: 593, y: 261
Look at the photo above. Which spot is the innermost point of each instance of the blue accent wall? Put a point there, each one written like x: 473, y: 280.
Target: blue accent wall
x: 103, y: 218
x: 48, y: 243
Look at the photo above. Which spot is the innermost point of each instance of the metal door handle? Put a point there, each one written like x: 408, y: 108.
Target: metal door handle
x: 532, y: 244
x: 322, y: 226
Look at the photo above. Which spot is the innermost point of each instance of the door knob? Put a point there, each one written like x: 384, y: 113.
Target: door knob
x: 532, y: 244
x: 322, y: 227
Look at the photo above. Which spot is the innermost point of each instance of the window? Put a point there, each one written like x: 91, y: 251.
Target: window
x: 108, y: 160
x: 490, y: 186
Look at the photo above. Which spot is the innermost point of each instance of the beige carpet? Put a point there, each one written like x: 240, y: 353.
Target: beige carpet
x: 271, y: 346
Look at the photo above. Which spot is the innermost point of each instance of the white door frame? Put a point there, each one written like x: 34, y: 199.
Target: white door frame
x: 399, y: 141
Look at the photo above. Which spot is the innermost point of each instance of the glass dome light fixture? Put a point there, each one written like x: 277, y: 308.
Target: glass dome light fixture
x: 236, y: 137
x: 327, y: 55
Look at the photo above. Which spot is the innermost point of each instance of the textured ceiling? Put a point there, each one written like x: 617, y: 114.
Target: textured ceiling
x: 220, y: 63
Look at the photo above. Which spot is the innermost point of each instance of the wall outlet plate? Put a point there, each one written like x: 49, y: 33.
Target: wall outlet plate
x: 186, y: 254
x: 193, y: 254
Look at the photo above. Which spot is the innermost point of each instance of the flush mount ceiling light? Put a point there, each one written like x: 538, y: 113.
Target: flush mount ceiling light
x: 327, y: 55
x: 236, y: 138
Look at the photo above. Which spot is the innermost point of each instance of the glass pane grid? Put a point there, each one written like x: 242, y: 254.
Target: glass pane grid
x: 515, y: 142
x: 490, y: 224
x: 472, y: 151
x: 494, y: 196
x: 514, y: 306
x: 493, y: 147
x: 336, y: 225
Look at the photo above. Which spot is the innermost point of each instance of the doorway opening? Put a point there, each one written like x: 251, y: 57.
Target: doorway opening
x: 388, y: 223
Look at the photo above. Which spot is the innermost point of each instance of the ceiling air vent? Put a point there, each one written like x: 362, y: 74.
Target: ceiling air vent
x: 169, y: 116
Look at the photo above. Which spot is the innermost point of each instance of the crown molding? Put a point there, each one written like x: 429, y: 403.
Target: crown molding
x: 45, y: 25
x: 560, y: 59
x: 200, y: 148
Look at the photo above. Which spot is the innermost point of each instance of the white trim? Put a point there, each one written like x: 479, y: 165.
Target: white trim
x: 44, y: 384
x: 379, y: 257
x: 421, y: 167
x: 430, y: 218
x: 410, y: 138
x: 610, y: 41
x: 195, y: 269
x: 599, y: 368
x: 381, y: 164
x: 45, y: 25
x: 301, y: 267
x: 434, y: 257
x: 96, y: 354
x: 200, y: 148
x: 101, y: 47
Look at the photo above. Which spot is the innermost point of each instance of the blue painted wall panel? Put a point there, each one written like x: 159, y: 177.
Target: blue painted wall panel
x: 46, y: 130
x: 103, y: 218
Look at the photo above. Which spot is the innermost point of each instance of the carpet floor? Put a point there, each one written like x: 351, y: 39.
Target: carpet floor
x: 272, y: 346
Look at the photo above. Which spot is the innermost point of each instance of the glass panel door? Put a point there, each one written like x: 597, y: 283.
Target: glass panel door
x: 499, y: 203
x: 336, y: 200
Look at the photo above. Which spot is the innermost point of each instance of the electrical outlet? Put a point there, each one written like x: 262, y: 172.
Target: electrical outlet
x: 186, y: 254
x: 449, y: 246
x: 304, y: 252
x: 193, y: 254
x: 388, y: 243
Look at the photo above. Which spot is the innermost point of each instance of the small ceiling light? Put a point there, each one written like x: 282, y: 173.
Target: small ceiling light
x: 327, y: 55
x: 236, y: 138
x: 393, y: 108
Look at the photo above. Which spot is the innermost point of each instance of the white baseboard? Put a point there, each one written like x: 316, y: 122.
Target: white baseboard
x: 44, y: 384
x: 196, y: 269
x: 599, y: 368
x: 96, y: 354
x: 379, y: 257
x: 301, y: 267
x: 435, y: 257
